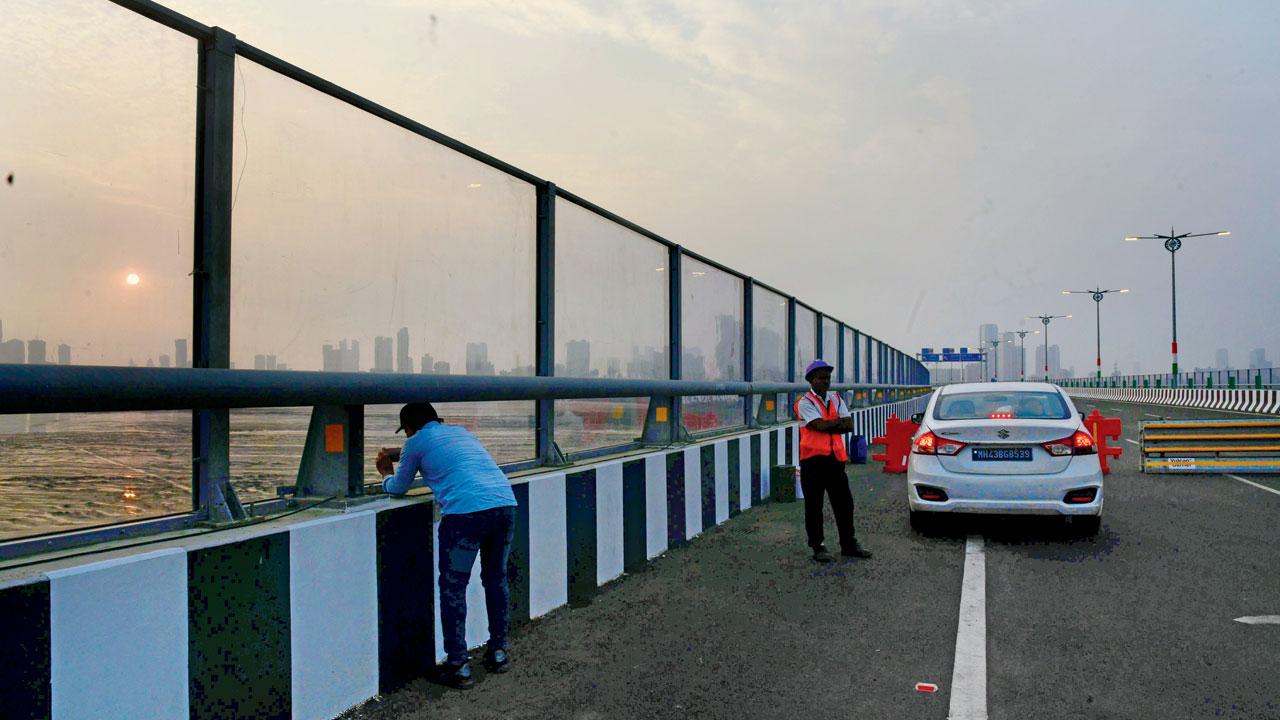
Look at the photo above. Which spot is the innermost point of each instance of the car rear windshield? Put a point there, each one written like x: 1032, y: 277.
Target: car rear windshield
x: 1039, y: 404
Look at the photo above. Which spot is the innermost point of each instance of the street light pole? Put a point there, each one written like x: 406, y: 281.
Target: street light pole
x: 1097, y: 294
x: 1045, y: 319
x: 996, y: 358
x: 1022, y: 355
x: 1173, y: 243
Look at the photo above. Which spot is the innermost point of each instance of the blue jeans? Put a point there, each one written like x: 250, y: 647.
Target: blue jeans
x: 488, y: 533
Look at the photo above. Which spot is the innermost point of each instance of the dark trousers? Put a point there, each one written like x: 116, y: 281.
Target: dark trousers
x: 826, y: 474
x: 488, y: 533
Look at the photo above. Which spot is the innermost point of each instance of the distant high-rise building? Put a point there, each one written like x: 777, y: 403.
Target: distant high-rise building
x: 614, y: 368
x: 1220, y: 361
x: 728, y: 357
x: 151, y: 362
x: 404, y: 363
x: 13, y: 351
x: 330, y: 359
x: 383, y: 352
x: 36, y: 350
x: 164, y: 360
x: 478, y: 359
x: 1055, y: 362
x: 442, y: 367
x: 1, y: 331
x: 1258, y: 358
x: 350, y: 355
x: 64, y: 354
x: 427, y: 365
x: 986, y: 333
x: 577, y: 360
x: 259, y: 362
x: 271, y: 362
x: 1009, y: 356
x: 180, y: 353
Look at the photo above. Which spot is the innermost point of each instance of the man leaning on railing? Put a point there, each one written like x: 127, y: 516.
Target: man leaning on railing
x: 477, y: 511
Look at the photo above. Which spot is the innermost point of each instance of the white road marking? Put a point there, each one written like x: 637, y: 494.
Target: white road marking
x: 969, y: 674
x: 1135, y: 442
x: 1154, y: 416
x: 1250, y: 482
x: 1259, y: 620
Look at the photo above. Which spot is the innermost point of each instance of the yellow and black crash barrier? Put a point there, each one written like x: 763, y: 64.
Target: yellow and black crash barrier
x: 1211, y: 446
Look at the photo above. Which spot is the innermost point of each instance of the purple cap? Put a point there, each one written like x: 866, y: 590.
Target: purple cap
x: 818, y: 364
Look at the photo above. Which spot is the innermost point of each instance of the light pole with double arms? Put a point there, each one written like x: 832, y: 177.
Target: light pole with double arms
x: 1097, y: 294
x: 995, y: 357
x: 1022, y: 356
x: 1045, y: 319
x: 1172, y: 243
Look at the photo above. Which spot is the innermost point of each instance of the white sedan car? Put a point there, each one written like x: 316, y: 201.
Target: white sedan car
x: 1006, y: 447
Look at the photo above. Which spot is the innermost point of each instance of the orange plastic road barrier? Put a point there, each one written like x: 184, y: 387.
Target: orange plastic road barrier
x: 1103, y: 428
x: 897, y: 444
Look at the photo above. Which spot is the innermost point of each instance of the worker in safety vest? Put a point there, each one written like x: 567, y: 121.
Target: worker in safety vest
x: 824, y: 420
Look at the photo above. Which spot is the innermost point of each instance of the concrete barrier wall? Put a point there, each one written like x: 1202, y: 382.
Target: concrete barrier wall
x: 306, y: 616
x: 1260, y: 402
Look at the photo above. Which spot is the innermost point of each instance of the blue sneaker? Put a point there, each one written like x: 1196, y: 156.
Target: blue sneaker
x: 497, y: 661
x: 455, y: 676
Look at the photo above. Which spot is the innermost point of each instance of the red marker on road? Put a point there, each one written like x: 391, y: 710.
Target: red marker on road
x: 926, y: 687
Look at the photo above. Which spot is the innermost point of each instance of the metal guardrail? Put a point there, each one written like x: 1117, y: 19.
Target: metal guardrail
x: 1210, y: 446
x: 1251, y: 378
x: 332, y: 465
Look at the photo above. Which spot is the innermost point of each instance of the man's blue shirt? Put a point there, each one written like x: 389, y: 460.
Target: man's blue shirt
x: 456, y: 467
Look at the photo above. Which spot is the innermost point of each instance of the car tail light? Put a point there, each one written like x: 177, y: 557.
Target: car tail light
x: 1000, y: 416
x: 1081, y: 443
x: 930, y: 444
x: 1082, y: 496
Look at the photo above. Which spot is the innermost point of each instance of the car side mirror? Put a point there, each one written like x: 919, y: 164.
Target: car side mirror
x: 918, y: 418
x: 1081, y: 417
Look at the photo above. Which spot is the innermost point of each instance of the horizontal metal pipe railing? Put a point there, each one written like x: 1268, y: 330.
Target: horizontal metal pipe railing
x: 53, y: 388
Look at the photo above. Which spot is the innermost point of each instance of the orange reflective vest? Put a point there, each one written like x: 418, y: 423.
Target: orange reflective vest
x: 817, y: 444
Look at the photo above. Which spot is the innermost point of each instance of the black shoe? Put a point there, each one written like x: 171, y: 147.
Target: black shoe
x: 821, y: 555
x: 497, y: 661
x: 455, y: 676
x: 857, y: 551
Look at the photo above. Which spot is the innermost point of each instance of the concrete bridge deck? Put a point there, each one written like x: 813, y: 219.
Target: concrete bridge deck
x: 1138, y: 622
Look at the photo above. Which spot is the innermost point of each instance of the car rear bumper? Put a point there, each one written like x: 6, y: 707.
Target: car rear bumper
x: 1005, y: 494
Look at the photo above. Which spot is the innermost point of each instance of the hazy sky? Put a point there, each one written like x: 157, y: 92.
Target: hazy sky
x: 913, y: 167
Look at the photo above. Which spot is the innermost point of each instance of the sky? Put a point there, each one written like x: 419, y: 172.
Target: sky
x: 913, y: 167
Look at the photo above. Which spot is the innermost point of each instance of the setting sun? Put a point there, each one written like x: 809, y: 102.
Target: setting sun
x: 133, y: 279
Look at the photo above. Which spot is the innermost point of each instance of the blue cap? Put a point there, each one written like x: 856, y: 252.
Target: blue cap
x: 818, y: 364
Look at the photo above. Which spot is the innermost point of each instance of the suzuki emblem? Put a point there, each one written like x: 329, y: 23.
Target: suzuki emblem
x: 1003, y: 433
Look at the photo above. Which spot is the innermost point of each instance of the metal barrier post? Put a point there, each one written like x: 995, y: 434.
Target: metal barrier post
x: 548, y: 453
x: 748, y: 356
x: 675, y: 317
x: 211, y: 275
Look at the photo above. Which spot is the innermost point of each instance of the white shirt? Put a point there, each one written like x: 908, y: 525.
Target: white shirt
x: 810, y: 410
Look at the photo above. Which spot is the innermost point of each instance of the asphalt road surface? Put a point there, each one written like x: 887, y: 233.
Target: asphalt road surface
x: 1138, y: 622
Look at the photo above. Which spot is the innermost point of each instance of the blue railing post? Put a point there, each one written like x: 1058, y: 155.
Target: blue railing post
x: 211, y: 275
x: 840, y: 373
x: 545, y: 312
x: 675, y: 318
x: 748, y: 353
x: 791, y: 351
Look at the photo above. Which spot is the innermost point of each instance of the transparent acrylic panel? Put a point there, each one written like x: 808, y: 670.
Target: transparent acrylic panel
x: 849, y: 355
x: 830, y: 341
x: 769, y: 330
x: 806, y: 339
x: 361, y: 247
x: 60, y: 472
x: 97, y: 137
x: 97, y: 141
x: 611, y: 322
x: 711, y: 337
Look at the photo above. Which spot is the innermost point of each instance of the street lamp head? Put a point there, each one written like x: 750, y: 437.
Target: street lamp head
x: 1124, y: 290
x: 1066, y: 292
x: 1131, y: 239
x: 1225, y: 232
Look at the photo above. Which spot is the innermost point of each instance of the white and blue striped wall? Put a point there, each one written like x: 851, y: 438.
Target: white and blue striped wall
x: 1246, y: 400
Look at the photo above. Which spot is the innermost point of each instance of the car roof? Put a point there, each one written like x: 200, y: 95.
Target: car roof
x: 998, y: 387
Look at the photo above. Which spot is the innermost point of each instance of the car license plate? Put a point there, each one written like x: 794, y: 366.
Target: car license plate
x: 1022, y: 454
